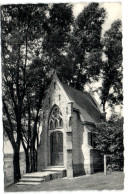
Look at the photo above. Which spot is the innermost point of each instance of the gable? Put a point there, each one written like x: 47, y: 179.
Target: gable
x: 82, y: 101
x: 55, y: 94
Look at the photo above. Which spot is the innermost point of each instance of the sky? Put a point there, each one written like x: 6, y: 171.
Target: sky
x: 114, y: 12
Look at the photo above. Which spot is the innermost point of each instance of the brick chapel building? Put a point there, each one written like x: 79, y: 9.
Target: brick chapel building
x: 68, y: 123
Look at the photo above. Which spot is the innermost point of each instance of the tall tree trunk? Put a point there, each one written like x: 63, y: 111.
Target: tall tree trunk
x: 34, y: 159
x: 16, y: 164
x: 27, y: 161
x: 31, y: 158
x: 27, y: 156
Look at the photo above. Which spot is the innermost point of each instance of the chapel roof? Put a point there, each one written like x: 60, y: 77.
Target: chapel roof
x: 84, y: 102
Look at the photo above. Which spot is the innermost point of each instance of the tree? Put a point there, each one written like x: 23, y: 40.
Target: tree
x: 20, y: 26
x: 57, y: 40
x: 109, y: 140
x: 36, y: 40
x: 86, y: 44
x: 73, y: 46
x: 111, y: 91
x: 23, y: 27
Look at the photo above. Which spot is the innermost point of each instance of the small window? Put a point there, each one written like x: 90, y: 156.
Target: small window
x: 51, y: 125
x: 59, y: 97
x: 70, y: 121
x: 90, y: 139
x: 67, y: 110
x: 61, y: 123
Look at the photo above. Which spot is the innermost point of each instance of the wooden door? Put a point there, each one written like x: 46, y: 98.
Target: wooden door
x: 57, y: 148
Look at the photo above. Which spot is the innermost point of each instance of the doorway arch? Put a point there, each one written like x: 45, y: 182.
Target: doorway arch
x: 56, y: 140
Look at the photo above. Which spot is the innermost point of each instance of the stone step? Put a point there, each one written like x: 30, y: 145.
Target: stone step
x: 32, y: 179
x: 55, y: 168
x: 28, y: 183
x: 37, y: 177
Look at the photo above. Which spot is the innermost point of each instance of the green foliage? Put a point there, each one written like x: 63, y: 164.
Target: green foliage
x: 109, y: 140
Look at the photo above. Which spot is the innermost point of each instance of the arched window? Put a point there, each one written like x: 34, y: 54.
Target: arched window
x: 55, y: 120
x: 51, y: 125
x: 61, y: 122
x: 56, y: 124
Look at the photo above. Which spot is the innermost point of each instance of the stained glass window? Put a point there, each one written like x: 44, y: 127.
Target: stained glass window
x: 55, y: 120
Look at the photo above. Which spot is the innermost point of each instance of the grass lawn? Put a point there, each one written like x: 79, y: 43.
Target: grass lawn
x: 8, y: 167
x: 112, y: 181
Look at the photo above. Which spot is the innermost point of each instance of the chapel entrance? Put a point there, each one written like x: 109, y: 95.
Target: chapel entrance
x: 56, y: 140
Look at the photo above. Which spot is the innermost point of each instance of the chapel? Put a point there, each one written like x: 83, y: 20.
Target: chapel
x: 68, y: 123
